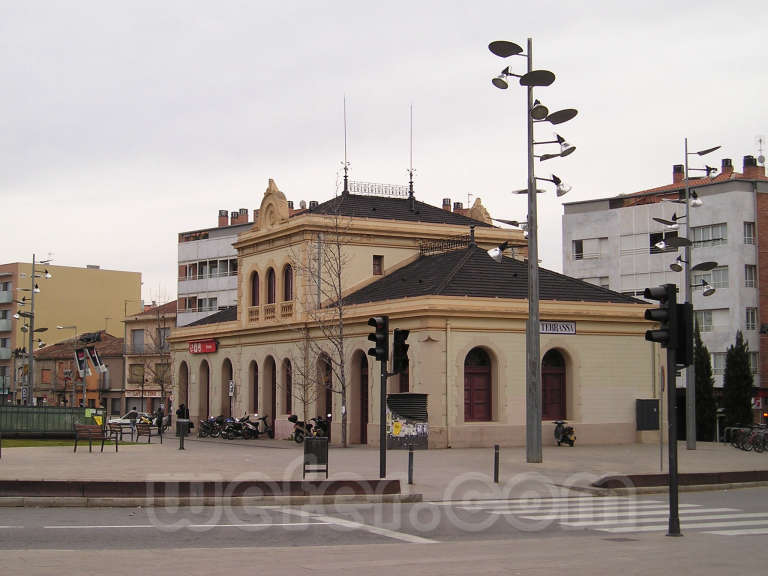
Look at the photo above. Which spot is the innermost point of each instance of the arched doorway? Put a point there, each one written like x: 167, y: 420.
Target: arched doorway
x: 553, y: 386
x: 359, y: 399
x: 226, y: 378
x: 183, y: 385
x: 288, y: 382
x: 270, y: 389
x: 477, y: 386
x: 205, y: 390
x: 253, y: 378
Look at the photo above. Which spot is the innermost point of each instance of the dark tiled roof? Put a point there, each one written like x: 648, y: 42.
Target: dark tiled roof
x: 385, y: 208
x: 471, y: 272
x: 107, y: 347
x: 226, y: 315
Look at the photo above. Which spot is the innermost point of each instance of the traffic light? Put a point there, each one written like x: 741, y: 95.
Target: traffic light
x: 81, y: 362
x: 381, y: 338
x: 665, y: 314
x: 684, y: 355
x: 400, y: 351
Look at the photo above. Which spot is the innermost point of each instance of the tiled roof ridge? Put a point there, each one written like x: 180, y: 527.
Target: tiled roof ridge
x: 693, y: 183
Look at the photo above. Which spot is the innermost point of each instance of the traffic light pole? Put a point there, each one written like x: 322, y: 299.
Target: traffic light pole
x: 383, y: 420
x: 674, y: 518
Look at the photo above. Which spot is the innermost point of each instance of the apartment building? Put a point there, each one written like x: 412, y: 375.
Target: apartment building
x: 614, y: 242
x: 81, y: 300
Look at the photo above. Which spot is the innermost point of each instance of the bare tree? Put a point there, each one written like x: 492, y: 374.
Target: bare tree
x: 322, y: 272
x: 157, y: 356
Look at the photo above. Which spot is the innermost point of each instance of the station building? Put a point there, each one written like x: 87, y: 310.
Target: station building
x: 307, y: 276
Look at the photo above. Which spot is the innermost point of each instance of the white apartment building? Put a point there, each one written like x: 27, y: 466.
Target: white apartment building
x: 611, y: 242
x: 208, y: 268
x: 208, y: 265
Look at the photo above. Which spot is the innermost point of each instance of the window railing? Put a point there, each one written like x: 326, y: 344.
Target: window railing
x: 207, y: 275
x: 269, y: 311
x: 200, y: 309
x: 286, y: 309
x: 253, y: 314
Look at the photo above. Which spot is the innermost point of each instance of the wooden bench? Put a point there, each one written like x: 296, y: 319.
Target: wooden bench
x: 143, y: 429
x: 91, y: 432
x: 114, y: 431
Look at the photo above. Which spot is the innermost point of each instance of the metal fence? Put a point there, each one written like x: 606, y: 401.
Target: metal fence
x: 46, y: 420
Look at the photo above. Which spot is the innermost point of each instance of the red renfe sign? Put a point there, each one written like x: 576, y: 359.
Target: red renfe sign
x: 202, y: 346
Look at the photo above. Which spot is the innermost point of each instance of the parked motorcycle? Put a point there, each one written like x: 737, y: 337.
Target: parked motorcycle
x: 317, y: 426
x: 207, y: 427
x: 564, y: 433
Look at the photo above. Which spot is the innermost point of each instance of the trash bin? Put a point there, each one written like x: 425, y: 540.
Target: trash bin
x: 182, y: 425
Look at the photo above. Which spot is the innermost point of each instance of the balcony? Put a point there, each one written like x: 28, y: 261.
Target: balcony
x: 269, y: 312
x: 253, y: 314
x: 286, y: 309
x: 5, y: 353
x: 5, y: 384
x: 5, y: 325
x: 6, y: 296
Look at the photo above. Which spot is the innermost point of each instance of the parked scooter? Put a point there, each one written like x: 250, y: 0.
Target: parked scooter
x: 564, y: 433
x: 317, y: 426
x: 263, y: 426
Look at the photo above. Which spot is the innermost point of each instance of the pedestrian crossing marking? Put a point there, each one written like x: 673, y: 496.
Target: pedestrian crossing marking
x: 622, y: 515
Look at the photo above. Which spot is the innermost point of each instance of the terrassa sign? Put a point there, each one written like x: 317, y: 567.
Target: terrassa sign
x: 557, y: 327
x: 202, y: 346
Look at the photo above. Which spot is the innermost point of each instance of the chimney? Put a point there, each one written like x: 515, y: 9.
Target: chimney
x: 678, y: 173
x: 303, y: 204
x: 290, y: 204
x: 233, y: 218
x: 223, y: 218
x: 726, y: 167
x: 255, y: 214
x: 243, y: 215
x: 457, y: 206
x: 312, y: 204
x: 751, y: 169
x: 447, y: 204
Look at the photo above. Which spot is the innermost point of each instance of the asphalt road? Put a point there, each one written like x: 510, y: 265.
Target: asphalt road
x: 722, y: 514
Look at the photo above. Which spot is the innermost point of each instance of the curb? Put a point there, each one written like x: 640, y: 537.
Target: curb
x: 116, y: 502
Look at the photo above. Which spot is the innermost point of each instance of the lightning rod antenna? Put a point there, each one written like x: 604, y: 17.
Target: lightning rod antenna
x: 346, y: 163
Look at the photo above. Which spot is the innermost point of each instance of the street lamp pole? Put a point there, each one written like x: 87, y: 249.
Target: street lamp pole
x: 690, y: 371
x: 532, y: 340
x: 31, y: 357
x: 535, y: 111
x: 74, y: 355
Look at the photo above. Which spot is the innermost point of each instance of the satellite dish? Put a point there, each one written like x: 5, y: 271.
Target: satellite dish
x: 761, y: 159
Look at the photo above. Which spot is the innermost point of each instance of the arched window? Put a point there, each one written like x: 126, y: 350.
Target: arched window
x: 477, y: 386
x: 255, y: 289
x: 287, y: 283
x: 553, y: 405
x: 271, y: 286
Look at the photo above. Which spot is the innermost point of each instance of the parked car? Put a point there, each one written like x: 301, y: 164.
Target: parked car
x: 132, y: 416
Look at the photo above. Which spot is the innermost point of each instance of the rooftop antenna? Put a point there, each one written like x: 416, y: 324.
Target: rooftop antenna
x: 346, y: 164
x: 761, y: 156
x: 411, y: 199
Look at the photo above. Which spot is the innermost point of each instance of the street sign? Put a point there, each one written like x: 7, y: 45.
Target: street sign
x: 231, y: 388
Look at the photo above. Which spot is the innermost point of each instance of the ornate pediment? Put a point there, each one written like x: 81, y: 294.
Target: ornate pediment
x: 478, y: 212
x: 274, y: 208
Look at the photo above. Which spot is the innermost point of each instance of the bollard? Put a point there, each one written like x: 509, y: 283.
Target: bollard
x: 410, y: 464
x: 496, y: 463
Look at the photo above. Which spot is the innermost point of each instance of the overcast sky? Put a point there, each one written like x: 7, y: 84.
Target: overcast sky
x: 124, y: 123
